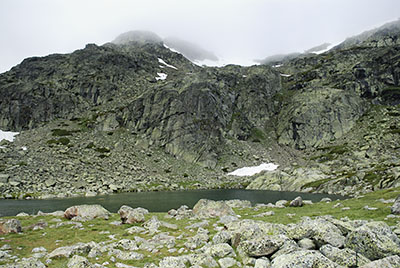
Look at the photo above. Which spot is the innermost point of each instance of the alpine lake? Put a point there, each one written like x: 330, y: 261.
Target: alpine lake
x: 154, y: 201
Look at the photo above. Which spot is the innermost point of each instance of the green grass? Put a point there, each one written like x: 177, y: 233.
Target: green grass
x: 61, y: 132
x: 315, y: 184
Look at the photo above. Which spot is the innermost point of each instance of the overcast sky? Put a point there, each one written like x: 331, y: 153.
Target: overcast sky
x: 236, y: 30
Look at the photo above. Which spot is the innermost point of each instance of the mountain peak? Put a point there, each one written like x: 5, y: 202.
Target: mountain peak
x: 142, y: 37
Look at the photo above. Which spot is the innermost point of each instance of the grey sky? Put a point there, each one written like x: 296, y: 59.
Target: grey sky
x: 237, y: 30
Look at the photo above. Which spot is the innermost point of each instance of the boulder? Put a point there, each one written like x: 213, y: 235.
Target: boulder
x: 251, y: 229
x: 87, y: 212
x: 345, y: 257
x: 202, y: 260
x: 388, y: 262
x: 297, y: 202
x: 264, y: 246
x: 374, y: 240
x: 304, y: 259
x: 173, y: 262
x: 205, y: 208
x: 319, y: 230
x: 26, y: 263
x: 220, y: 250
x: 68, y: 251
x: 262, y: 263
x: 78, y: 262
x: 395, y: 209
x: 130, y: 216
x: 10, y: 226
x: 228, y: 262
x: 306, y: 243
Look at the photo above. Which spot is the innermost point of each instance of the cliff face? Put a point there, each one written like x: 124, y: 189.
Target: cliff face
x: 157, y: 100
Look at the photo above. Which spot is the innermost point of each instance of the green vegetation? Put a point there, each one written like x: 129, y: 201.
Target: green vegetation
x: 315, y: 184
x: 102, y: 150
x: 61, y: 132
x: 257, y: 135
x: 63, y: 141
x: 391, y: 92
x: 332, y: 153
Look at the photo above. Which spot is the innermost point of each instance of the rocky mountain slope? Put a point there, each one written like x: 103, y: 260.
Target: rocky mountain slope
x: 133, y: 115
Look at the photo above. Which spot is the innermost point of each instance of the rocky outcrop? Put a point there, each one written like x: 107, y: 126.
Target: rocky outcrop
x: 317, y: 116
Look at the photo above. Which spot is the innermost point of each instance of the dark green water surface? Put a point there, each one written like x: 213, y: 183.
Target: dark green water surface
x: 153, y: 201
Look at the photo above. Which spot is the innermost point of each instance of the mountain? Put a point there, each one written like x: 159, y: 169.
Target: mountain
x: 134, y: 115
x: 190, y: 50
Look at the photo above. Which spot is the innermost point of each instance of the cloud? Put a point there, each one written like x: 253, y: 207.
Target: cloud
x: 233, y: 29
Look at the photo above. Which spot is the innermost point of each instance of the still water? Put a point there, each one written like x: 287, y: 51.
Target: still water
x: 153, y: 201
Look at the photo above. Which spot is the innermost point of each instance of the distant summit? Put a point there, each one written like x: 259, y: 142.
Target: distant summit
x: 386, y: 35
x: 188, y: 49
x: 142, y: 37
x: 319, y: 48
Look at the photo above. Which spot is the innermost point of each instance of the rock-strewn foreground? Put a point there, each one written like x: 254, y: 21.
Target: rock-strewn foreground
x: 213, y: 234
x: 133, y: 115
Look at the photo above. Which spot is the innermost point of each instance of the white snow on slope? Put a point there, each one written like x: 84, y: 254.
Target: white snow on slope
x: 173, y: 50
x: 166, y: 64
x: 161, y: 76
x: 250, y: 171
x: 7, y: 135
x: 285, y: 75
x: 220, y: 62
x: 327, y: 49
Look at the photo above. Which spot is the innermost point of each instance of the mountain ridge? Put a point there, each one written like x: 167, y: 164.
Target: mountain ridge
x: 133, y: 115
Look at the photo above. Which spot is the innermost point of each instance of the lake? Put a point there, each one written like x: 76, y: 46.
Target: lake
x: 153, y: 201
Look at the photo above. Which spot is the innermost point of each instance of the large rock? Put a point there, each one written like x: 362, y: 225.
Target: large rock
x: 395, y: 209
x: 388, y: 262
x: 87, y: 212
x: 10, y: 226
x: 25, y: 263
x: 130, y: 216
x: 68, y: 251
x: 319, y: 230
x: 173, y: 262
x: 374, y: 240
x: 205, y: 208
x: 220, y: 250
x: 345, y: 257
x: 297, y: 202
x: 304, y: 259
x: 251, y: 229
x: 78, y: 262
x: 264, y: 246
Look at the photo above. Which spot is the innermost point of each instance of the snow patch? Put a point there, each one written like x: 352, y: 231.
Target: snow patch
x: 277, y: 66
x: 250, y: 171
x: 161, y: 76
x: 24, y: 148
x: 173, y: 50
x: 7, y: 135
x: 325, y: 50
x: 166, y: 64
x: 285, y: 75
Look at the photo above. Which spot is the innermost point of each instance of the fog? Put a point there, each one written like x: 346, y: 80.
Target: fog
x: 235, y: 30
